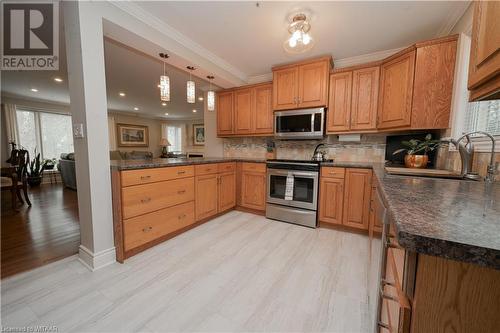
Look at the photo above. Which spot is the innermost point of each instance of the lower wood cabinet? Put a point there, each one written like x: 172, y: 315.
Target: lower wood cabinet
x: 215, y: 192
x: 253, y: 186
x: 345, y: 197
x: 376, y: 210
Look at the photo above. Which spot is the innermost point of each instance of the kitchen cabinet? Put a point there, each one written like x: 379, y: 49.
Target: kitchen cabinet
x: 245, y: 111
x: 353, y: 99
x: 215, y: 189
x: 356, y: 212
x: 376, y: 209
x: 331, y: 200
x: 484, y: 61
x: 433, y: 83
x: 253, y: 186
x: 225, y: 124
x: 396, y: 90
x: 301, y: 85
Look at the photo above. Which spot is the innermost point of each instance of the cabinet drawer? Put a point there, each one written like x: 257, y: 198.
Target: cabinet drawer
x: 145, y: 176
x: 227, y: 167
x: 145, y: 228
x: 333, y: 172
x: 141, y: 199
x: 205, y: 169
x: 253, y: 167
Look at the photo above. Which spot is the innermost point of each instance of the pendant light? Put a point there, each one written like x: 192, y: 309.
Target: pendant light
x: 190, y: 87
x: 164, y: 82
x: 300, y: 39
x: 210, y: 95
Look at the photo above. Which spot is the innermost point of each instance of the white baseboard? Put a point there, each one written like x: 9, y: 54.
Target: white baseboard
x: 94, y: 261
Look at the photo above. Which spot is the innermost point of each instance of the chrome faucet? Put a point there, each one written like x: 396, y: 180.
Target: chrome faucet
x: 466, y: 154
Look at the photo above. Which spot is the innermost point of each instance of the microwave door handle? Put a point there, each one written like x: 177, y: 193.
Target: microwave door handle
x: 312, y: 122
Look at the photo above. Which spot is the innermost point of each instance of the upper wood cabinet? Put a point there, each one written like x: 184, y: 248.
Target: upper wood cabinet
x: 353, y: 100
x: 263, y: 114
x: 225, y: 125
x: 396, y: 90
x: 433, y: 84
x: 484, y: 62
x: 357, y: 193
x: 245, y: 111
x: 301, y: 85
x: 339, y: 104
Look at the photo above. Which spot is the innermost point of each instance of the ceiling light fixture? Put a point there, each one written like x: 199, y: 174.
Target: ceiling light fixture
x: 300, y: 40
x: 190, y: 87
x: 136, y: 108
x: 34, y: 90
x: 164, y: 82
x: 58, y: 79
x: 122, y: 94
x: 200, y: 99
x: 166, y: 113
x: 163, y: 104
x: 194, y: 111
x: 210, y: 95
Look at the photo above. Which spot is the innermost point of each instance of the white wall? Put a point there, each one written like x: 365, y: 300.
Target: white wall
x: 214, y: 146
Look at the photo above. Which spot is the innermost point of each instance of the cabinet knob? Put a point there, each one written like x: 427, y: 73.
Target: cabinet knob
x: 147, y: 229
x: 181, y: 172
x: 145, y: 200
x: 181, y: 191
x: 180, y: 217
x: 145, y: 177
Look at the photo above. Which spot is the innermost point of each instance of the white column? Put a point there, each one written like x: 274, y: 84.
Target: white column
x: 87, y: 85
x: 214, y: 146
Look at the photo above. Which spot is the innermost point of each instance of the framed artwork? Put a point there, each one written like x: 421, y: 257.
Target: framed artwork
x: 199, y: 135
x: 132, y: 135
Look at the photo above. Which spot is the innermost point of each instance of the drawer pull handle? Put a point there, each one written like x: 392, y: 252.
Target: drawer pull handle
x: 181, y: 191
x: 181, y: 172
x: 147, y: 229
x: 145, y: 177
x: 145, y: 200
x: 389, y: 297
x: 383, y: 325
x: 387, y: 283
x: 181, y: 216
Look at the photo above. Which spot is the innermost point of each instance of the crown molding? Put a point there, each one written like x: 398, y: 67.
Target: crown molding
x: 364, y: 58
x: 452, y: 19
x: 260, y: 78
x: 155, y: 23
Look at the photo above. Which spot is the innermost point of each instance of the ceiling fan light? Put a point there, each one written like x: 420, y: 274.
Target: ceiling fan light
x: 164, y: 88
x: 190, y: 92
x: 211, y: 100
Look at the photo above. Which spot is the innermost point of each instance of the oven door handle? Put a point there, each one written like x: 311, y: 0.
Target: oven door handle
x: 294, y: 173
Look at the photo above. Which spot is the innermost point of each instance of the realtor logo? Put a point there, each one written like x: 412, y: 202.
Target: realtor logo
x: 30, y: 37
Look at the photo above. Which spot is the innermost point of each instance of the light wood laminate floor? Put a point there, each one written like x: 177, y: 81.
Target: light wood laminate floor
x: 239, y: 272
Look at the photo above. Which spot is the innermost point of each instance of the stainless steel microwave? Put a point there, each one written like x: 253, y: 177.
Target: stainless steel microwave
x: 300, y: 124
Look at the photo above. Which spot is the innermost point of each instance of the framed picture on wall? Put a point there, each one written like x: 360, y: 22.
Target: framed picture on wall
x: 132, y: 135
x: 199, y: 135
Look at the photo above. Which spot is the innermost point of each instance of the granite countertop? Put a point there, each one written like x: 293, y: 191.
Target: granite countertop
x: 166, y: 162
x: 454, y: 219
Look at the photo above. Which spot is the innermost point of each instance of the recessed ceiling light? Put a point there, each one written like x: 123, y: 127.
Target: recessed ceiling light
x: 200, y: 98
x: 164, y: 104
x: 158, y: 86
x: 136, y: 108
x: 34, y: 90
x: 121, y: 93
x: 194, y: 111
x: 58, y: 79
x: 166, y: 113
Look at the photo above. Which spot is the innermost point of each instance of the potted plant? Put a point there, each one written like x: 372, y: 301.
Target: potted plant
x: 35, y: 171
x: 49, y: 163
x: 417, y: 150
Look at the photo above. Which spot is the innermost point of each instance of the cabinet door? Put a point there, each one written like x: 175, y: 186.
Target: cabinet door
x: 243, y: 111
x: 331, y: 202
x: 206, y: 196
x: 253, y: 190
x: 339, y: 105
x: 364, y: 99
x: 433, y: 85
x: 396, y: 88
x: 313, y: 83
x: 357, y: 198
x: 376, y: 207
x: 227, y: 191
x: 285, y: 88
x: 264, y: 117
x: 484, y: 62
x: 225, y: 113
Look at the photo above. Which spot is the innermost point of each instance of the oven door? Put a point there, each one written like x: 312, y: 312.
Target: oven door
x: 299, y: 124
x: 305, y: 188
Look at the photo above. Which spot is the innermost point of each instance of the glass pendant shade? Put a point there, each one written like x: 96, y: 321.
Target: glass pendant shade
x: 164, y: 88
x: 211, y: 100
x: 190, y: 91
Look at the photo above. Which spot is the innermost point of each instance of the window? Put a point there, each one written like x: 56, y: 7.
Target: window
x: 472, y: 116
x: 49, y: 133
x: 174, y: 136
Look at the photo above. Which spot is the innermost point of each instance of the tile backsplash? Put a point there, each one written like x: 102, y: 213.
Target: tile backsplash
x: 371, y: 148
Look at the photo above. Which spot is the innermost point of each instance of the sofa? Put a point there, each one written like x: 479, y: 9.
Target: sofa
x: 66, y: 167
x: 130, y: 155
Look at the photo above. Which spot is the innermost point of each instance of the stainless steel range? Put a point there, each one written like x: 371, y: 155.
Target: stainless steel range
x: 292, y: 191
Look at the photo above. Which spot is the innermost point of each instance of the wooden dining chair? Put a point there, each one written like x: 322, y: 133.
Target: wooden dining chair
x: 14, y: 179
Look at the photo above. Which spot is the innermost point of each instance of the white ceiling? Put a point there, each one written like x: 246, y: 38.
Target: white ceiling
x: 250, y: 38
